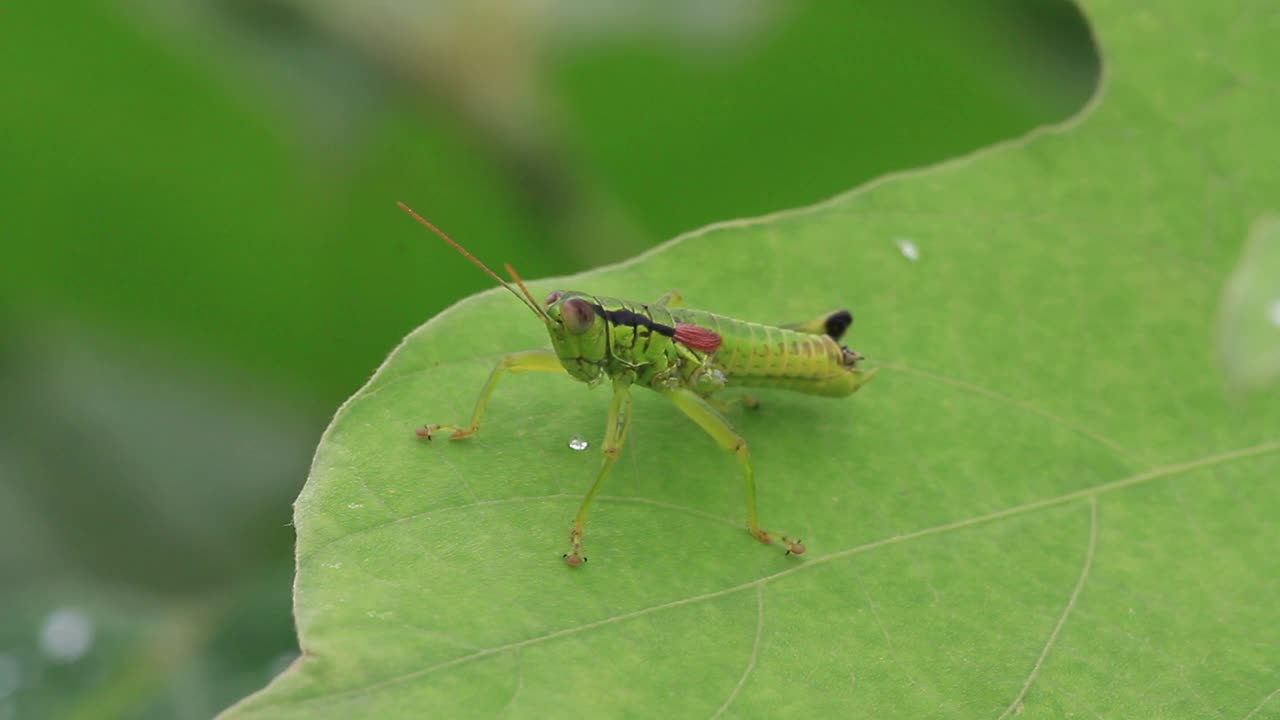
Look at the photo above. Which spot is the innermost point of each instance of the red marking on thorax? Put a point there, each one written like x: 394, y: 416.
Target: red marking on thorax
x: 697, y: 337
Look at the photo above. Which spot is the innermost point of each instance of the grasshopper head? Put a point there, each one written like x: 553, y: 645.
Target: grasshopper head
x: 578, y: 333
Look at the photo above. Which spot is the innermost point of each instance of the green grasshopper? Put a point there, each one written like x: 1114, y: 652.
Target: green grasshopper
x: 684, y: 355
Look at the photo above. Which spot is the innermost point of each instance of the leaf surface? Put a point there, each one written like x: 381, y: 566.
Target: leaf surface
x: 1048, y: 503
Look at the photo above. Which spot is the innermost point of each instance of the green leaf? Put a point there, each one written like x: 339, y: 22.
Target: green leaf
x: 1047, y: 504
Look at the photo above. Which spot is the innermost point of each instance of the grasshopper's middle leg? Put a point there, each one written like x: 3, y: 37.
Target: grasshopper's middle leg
x: 703, y: 413
x: 615, y: 434
x: 526, y: 361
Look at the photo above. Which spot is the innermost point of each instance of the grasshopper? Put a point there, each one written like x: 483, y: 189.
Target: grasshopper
x: 684, y: 355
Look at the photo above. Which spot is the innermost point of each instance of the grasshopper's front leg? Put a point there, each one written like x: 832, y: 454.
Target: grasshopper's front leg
x: 615, y: 434
x: 525, y: 361
x: 705, y: 414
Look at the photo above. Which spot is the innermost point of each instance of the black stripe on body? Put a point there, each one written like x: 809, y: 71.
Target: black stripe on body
x: 648, y: 338
x: 630, y: 318
x: 635, y: 336
x: 608, y: 328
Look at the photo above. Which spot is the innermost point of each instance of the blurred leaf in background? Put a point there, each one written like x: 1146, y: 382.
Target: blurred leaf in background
x: 202, y: 257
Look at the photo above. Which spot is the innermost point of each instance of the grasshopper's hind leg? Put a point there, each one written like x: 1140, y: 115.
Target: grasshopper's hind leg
x: 526, y: 361
x: 615, y: 434
x: 703, y: 413
x: 833, y: 324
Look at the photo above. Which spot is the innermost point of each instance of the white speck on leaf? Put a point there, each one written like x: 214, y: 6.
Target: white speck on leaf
x: 577, y: 442
x: 908, y: 248
x: 67, y: 635
x: 355, y: 506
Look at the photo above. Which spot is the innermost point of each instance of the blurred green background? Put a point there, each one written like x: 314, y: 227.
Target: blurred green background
x: 203, y: 258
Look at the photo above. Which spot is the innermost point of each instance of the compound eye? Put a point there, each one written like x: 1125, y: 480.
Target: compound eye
x: 577, y: 315
x: 554, y: 296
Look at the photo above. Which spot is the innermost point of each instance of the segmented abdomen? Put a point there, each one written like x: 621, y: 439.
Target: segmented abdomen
x: 754, y: 355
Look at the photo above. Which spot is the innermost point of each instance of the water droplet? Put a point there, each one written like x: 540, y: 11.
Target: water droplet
x: 908, y: 248
x: 9, y: 676
x: 1248, y: 343
x: 67, y: 635
x: 577, y: 442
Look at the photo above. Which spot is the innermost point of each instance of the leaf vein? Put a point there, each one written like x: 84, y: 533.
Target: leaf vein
x: 1265, y: 701
x: 1015, y: 705
x: 1086, y: 493
x: 311, y: 554
x: 1014, y: 402
x: 751, y: 661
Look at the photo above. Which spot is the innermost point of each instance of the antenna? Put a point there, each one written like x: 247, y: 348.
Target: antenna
x: 526, y: 298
